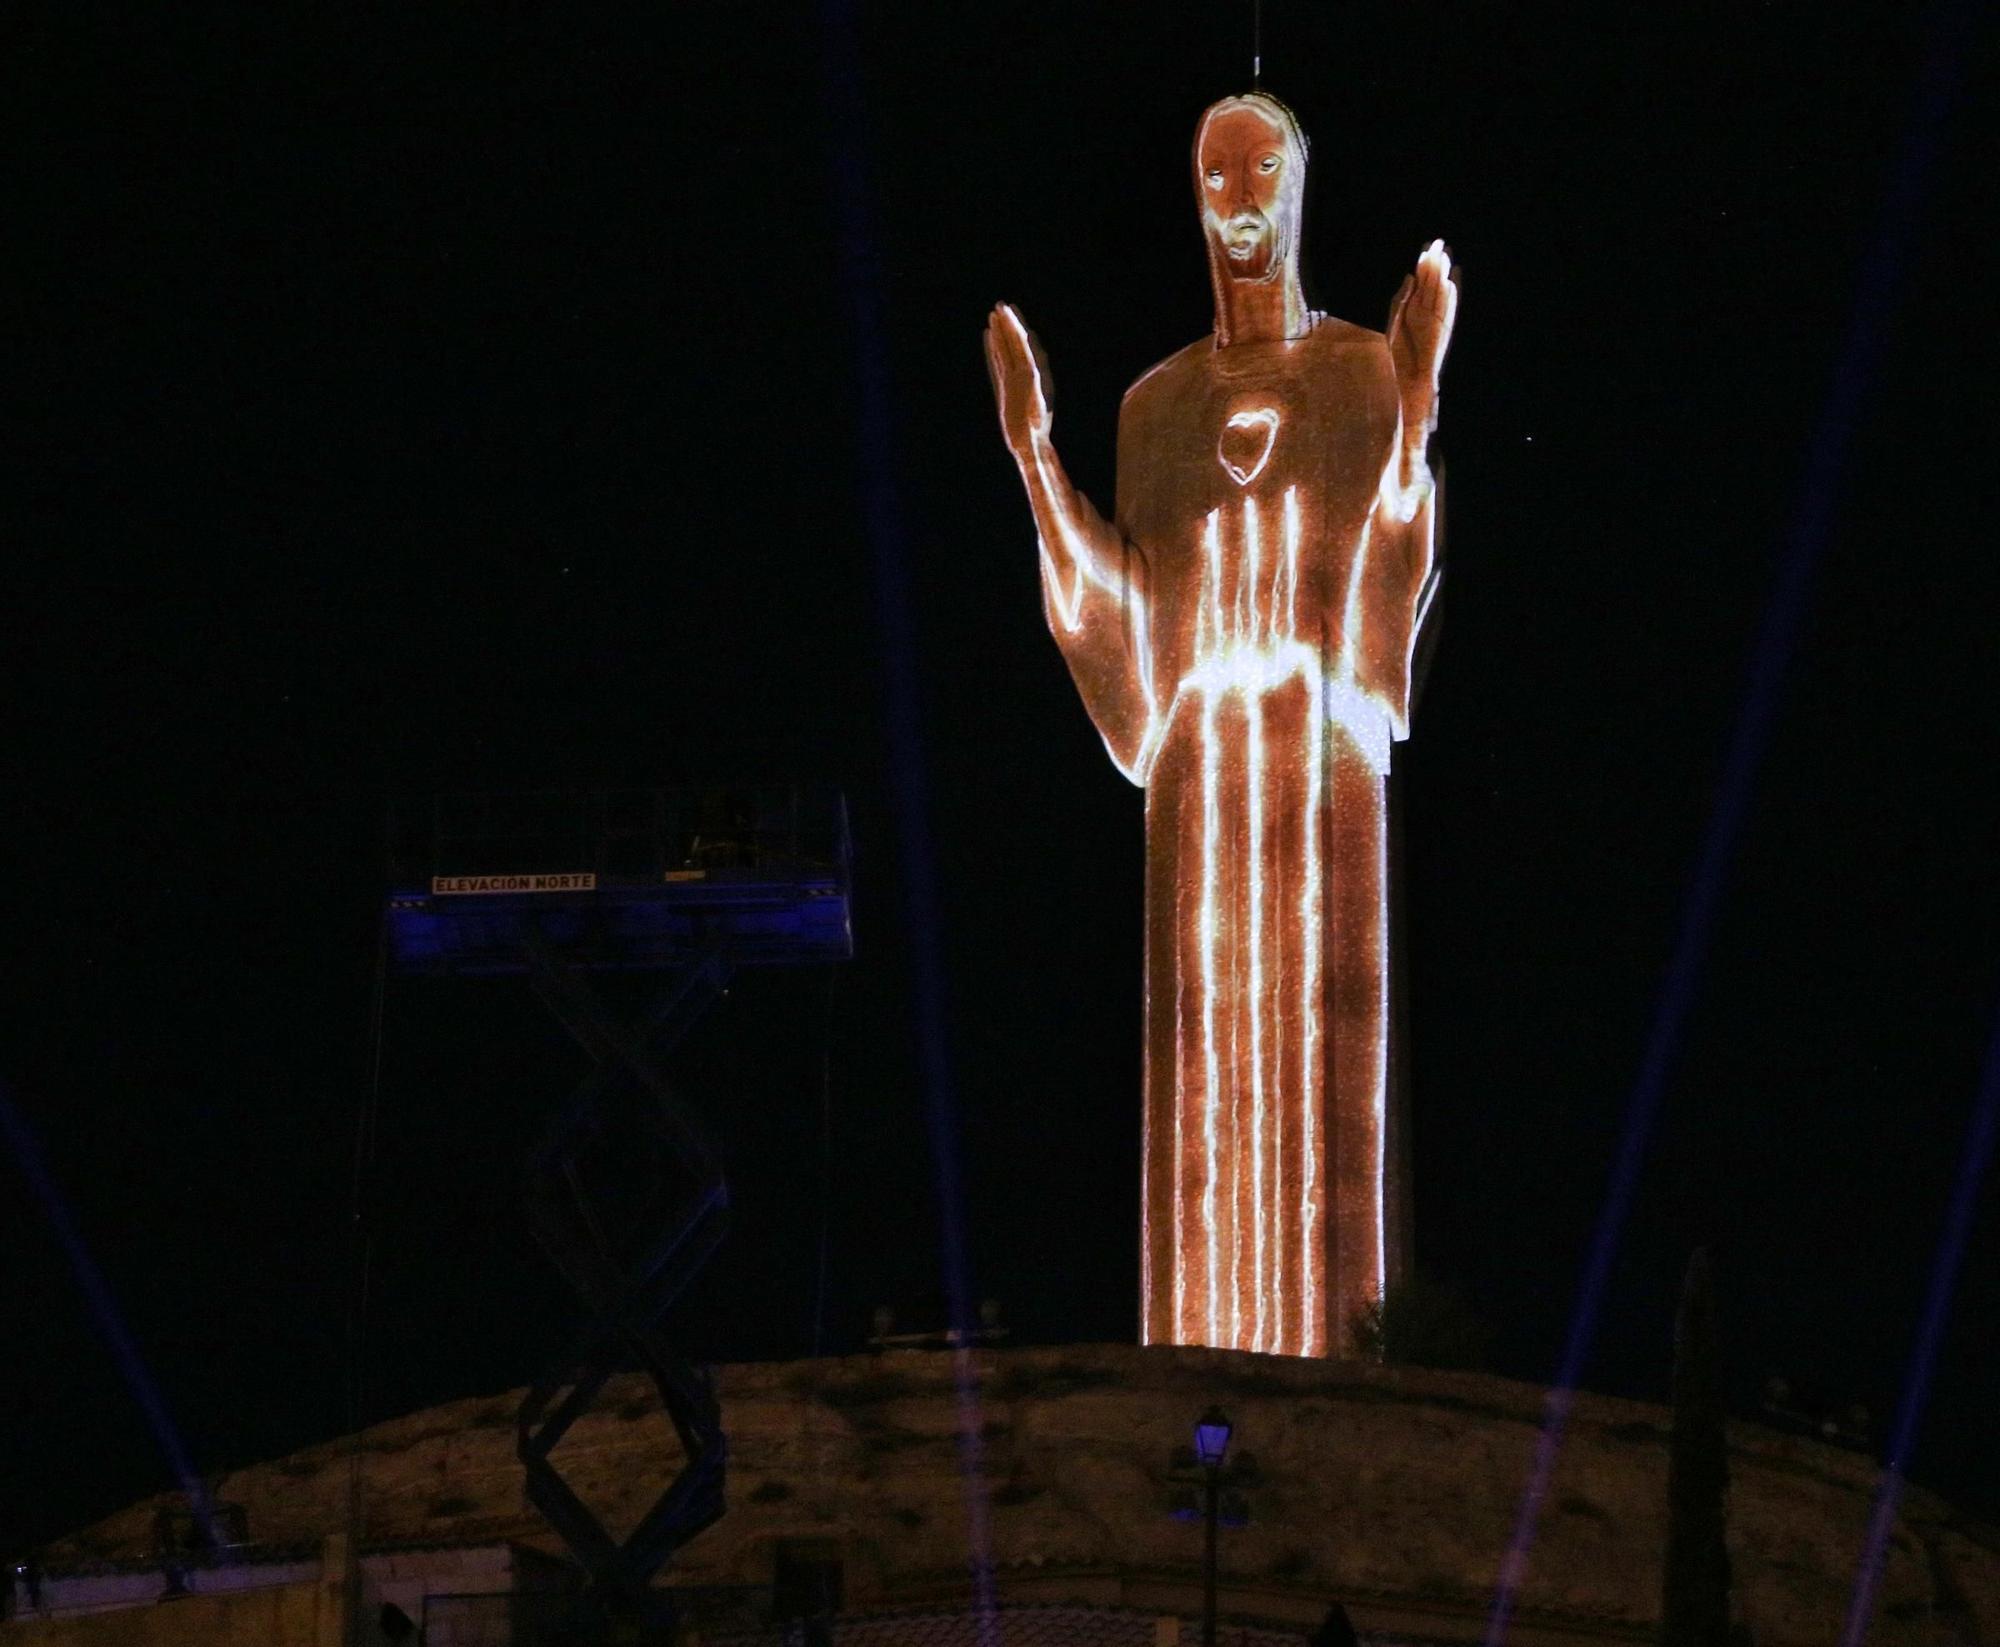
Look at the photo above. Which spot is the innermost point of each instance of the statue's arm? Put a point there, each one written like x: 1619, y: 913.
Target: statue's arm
x: 1080, y: 548
x: 1093, y: 581
x: 1402, y: 559
x: 1420, y: 325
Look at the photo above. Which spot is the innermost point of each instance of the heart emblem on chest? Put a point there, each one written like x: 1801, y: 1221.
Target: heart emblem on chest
x: 1245, y: 446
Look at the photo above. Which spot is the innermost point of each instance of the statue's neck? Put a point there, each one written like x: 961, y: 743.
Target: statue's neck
x: 1261, y: 311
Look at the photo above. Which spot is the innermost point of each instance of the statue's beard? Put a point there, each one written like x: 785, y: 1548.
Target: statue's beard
x: 1249, y: 245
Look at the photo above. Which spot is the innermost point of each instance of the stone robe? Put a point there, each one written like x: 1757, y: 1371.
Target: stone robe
x: 1248, y: 663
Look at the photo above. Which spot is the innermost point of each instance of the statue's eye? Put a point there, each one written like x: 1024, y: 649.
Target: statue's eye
x: 1215, y: 180
x: 1268, y: 164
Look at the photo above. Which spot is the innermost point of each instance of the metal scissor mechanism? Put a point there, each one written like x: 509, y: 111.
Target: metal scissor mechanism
x: 629, y: 1201
x: 624, y: 1191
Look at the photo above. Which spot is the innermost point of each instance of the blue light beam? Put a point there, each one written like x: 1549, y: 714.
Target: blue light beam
x: 1878, y: 282
x: 882, y: 506
x: 1973, y: 1162
x: 104, y: 1309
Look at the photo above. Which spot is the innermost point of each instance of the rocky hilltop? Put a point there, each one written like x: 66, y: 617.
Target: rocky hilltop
x: 1390, y: 1487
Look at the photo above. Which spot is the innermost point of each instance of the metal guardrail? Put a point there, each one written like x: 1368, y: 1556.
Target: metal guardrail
x: 620, y: 834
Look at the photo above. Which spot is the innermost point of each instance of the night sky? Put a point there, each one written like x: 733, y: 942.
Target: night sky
x: 468, y: 401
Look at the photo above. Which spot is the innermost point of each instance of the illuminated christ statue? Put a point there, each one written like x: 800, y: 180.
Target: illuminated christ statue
x: 1241, y: 635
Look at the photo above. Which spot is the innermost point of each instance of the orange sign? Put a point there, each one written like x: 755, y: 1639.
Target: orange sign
x: 463, y: 885
x: 1241, y: 635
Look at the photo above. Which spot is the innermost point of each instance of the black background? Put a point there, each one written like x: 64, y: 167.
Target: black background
x: 465, y: 399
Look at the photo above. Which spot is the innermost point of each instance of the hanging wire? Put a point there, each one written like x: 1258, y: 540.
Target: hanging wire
x: 1256, y: 45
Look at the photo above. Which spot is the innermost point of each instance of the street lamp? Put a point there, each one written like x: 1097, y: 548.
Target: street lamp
x: 1210, y: 1464
x: 1211, y: 1439
x: 1211, y: 1448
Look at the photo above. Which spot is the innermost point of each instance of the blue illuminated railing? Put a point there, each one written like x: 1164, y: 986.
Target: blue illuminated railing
x: 629, y: 880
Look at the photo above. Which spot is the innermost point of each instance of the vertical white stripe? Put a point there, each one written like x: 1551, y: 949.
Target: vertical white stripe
x: 1281, y: 1103
x: 1146, y: 1126
x: 1274, y: 623
x: 1350, y: 612
x: 1288, y: 1097
x: 1313, y: 1258
x: 1210, y: 822
x: 1212, y: 542
x: 1252, y: 559
x: 1254, y: 714
x: 1291, y: 563
x: 1179, y: 1190
x: 1381, y: 1038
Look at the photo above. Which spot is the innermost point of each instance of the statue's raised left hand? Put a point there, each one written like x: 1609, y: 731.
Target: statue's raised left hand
x: 1020, y: 380
x: 1420, y: 323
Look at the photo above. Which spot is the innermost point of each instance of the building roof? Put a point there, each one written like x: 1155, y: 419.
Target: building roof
x: 1393, y: 1489
x: 1054, y: 1625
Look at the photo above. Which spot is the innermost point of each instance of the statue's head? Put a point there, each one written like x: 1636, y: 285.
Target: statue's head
x: 1250, y: 177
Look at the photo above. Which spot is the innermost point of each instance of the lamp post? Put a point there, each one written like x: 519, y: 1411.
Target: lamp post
x: 1211, y: 1450
x: 1218, y: 1474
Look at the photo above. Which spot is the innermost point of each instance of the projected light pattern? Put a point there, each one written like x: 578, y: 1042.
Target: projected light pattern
x: 1242, y: 638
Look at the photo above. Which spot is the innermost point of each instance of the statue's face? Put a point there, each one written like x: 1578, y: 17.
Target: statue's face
x: 1250, y: 179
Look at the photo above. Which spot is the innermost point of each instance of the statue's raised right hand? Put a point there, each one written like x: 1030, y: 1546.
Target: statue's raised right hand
x: 1020, y: 380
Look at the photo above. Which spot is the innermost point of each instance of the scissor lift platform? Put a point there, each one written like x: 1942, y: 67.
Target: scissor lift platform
x: 624, y: 1192
x: 622, y: 881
